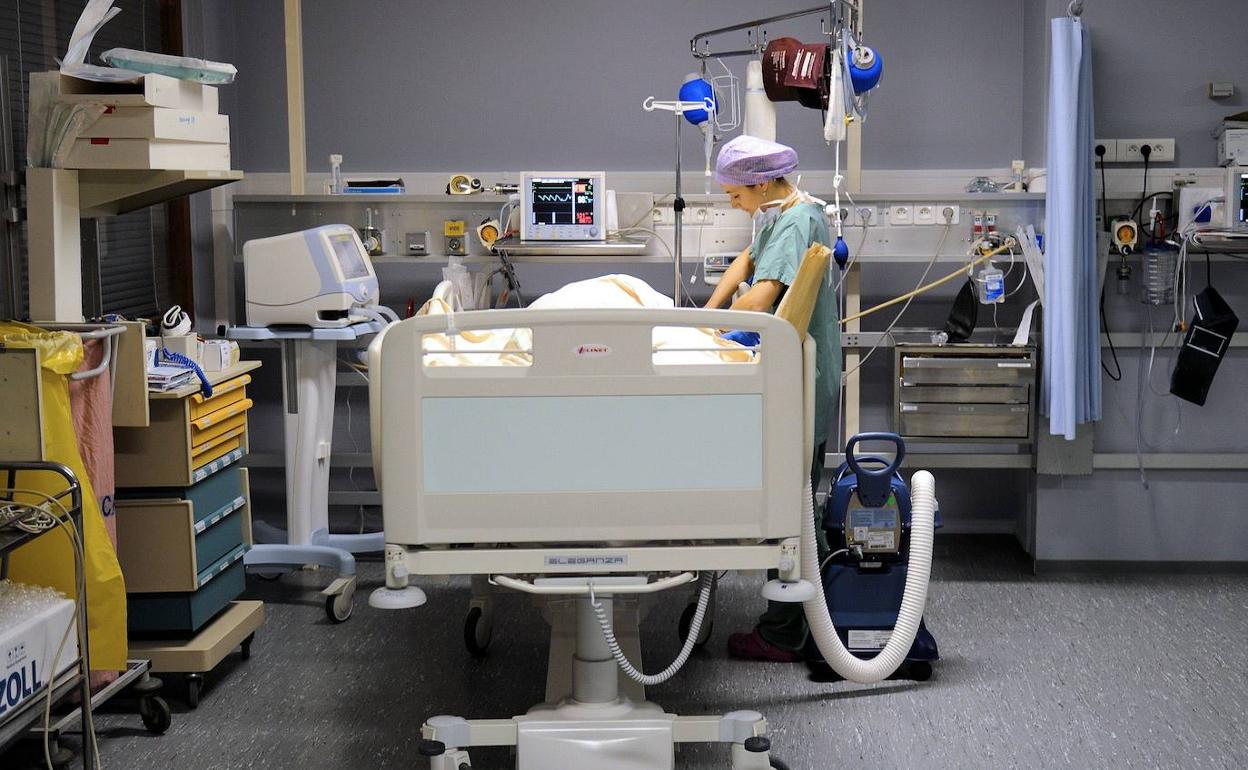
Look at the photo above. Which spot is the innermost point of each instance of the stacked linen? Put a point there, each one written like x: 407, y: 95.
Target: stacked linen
x: 510, y: 347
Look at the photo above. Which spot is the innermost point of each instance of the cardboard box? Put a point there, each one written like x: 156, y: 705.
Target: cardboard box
x: 27, y: 649
x: 220, y: 355
x: 1232, y: 146
x: 189, y: 345
x: 151, y: 91
x: 148, y: 154
x: 160, y: 123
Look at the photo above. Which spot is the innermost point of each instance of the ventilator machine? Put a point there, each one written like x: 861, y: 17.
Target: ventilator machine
x: 321, y: 278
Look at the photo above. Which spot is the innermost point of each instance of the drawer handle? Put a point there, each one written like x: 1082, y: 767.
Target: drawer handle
x: 202, y: 526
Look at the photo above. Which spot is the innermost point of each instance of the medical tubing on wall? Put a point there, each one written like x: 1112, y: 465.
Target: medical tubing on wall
x: 691, y: 641
x: 842, y: 661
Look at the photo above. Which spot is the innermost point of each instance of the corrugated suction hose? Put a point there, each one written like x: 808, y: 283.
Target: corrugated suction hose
x: 913, y: 600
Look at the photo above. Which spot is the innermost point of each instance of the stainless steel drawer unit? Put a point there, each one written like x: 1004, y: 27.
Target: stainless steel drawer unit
x: 965, y: 393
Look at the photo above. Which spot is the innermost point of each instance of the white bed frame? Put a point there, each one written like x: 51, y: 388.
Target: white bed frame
x: 596, y: 468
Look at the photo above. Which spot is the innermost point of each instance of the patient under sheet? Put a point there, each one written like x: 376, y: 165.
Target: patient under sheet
x: 509, y: 347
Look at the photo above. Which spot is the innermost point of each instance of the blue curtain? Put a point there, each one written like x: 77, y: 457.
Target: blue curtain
x: 1071, y: 387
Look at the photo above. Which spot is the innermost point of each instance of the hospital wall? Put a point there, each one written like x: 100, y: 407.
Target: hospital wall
x: 406, y: 87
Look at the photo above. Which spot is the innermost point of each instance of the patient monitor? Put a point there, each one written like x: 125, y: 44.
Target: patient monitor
x: 314, y: 277
x: 563, y: 206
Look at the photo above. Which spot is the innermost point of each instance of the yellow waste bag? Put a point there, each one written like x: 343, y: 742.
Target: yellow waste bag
x: 49, y: 560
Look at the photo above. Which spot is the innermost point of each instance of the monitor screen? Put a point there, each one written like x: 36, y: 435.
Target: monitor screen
x: 563, y: 206
x: 558, y: 201
x: 1239, y: 205
x: 351, y: 259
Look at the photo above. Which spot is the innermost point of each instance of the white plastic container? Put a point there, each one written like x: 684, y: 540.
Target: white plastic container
x: 160, y: 123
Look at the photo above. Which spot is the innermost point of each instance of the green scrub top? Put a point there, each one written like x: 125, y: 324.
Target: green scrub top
x: 777, y: 251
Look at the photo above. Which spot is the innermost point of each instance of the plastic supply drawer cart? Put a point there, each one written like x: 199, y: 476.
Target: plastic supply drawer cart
x: 964, y: 393
x: 184, y: 525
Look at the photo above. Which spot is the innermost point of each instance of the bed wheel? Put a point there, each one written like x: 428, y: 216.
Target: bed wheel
x: 478, y: 631
x: 686, y: 620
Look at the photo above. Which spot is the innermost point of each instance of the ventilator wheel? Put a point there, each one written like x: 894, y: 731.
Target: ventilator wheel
x: 686, y: 620
x: 478, y: 631
x: 194, y: 684
x: 338, y: 607
x: 154, y: 712
x: 919, y: 670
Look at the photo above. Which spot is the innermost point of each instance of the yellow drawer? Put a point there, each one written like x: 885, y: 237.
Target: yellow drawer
x: 223, y: 395
x: 221, y: 415
x: 187, y: 438
x: 199, y: 437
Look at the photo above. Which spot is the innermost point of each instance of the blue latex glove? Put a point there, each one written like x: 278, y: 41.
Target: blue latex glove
x: 749, y: 339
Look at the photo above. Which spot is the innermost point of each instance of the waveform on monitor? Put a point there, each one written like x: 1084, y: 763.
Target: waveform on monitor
x: 553, y: 197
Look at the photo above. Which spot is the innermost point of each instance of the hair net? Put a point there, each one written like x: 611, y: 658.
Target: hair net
x: 750, y: 160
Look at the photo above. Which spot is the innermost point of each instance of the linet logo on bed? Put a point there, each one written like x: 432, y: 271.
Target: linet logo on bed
x: 592, y: 350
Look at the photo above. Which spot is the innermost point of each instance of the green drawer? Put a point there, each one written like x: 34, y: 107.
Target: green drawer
x: 220, y: 533
x: 186, y: 613
x: 215, y: 493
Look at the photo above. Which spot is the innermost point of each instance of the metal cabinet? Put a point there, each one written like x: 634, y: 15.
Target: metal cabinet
x: 964, y: 393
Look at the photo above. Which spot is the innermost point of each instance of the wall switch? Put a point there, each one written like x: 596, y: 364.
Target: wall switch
x: 1129, y: 150
x: 924, y: 214
x: 900, y: 215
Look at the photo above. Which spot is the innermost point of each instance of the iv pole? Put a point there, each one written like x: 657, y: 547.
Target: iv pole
x: 679, y: 108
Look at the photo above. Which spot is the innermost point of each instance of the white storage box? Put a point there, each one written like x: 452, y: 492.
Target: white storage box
x: 148, y: 154
x: 151, y: 91
x: 27, y: 647
x: 160, y: 123
x: 1233, y: 145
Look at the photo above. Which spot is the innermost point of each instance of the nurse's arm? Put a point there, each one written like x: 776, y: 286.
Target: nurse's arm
x: 737, y: 272
x: 761, y: 297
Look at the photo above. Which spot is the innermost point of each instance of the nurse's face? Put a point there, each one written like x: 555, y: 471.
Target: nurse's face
x: 749, y: 197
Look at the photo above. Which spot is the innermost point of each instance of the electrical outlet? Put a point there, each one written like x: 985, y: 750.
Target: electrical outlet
x: 1111, y: 149
x: 865, y: 215
x: 900, y: 215
x: 1129, y: 150
x: 947, y: 213
x: 925, y: 214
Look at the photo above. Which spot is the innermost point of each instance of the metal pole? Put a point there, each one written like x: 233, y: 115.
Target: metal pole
x: 678, y: 207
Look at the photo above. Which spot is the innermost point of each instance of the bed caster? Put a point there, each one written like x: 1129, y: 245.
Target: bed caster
x: 155, y: 713
x: 194, y: 685
x: 478, y: 631
x: 686, y: 620
x: 441, y: 758
x: 338, y: 606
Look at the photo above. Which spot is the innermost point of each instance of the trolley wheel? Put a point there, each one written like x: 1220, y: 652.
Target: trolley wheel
x: 154, y: 711
x: 338, y: 607
x: 270, y: 576
x: 686, y: 620
x: 919, y: 670
x: 61, y: 756
x: 777, y: 764
x: 478, y: 632
x: 246, y: 645
x: 194, y: 685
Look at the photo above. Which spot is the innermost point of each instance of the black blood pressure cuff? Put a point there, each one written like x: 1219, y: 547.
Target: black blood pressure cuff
x: 1204, y: 347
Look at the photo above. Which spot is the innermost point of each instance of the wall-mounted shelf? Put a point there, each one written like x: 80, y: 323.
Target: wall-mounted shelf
x: 107, y: 192
x: 371, y: 199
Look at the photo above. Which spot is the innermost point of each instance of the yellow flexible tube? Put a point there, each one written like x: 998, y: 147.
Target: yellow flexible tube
x: 1009, y: 244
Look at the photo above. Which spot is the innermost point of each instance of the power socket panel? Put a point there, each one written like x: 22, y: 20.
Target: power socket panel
x: 1111, y: 149
x: 1129, y: 150
x: 901, y: 214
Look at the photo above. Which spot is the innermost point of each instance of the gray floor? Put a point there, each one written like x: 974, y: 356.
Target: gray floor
x: 1078, y: 671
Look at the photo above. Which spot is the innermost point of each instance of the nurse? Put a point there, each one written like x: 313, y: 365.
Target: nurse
x: 753, y: 172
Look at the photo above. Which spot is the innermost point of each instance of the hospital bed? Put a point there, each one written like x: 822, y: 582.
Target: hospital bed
x: 590, y: 465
